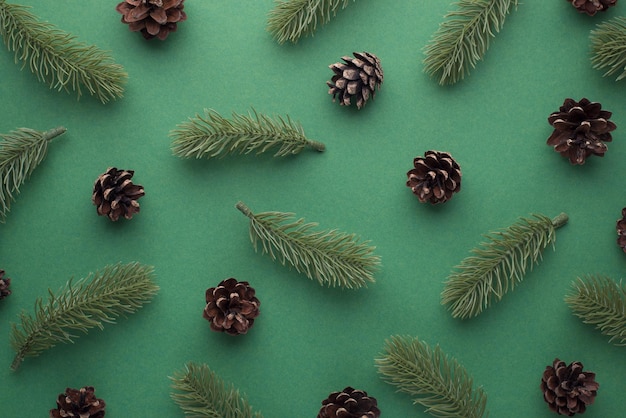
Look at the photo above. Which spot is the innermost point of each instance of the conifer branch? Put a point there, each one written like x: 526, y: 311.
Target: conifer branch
x: 331, y: 257
x: 80, y: 306
x: 431, y: 378
x: 608, y: 47
x: 498, y: 265
x: 57, y: 58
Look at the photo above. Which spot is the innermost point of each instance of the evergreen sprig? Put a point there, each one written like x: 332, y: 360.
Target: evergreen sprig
x: 331, y: 257
x: 608, y: 47
x: 431, y: 378
x: 80, y: 306
x: 601, y: 301
x: 57, y: 58
x: 463, y: 38
x: 202, y: 393
x: 499, y: 264
x: 21, y: 151
x: 212, y: 135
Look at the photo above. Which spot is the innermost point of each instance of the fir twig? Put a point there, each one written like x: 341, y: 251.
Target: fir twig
x: 202, y: 393
x: 434, y: 380
x: 80, y: 306
x: 608, y: 47
x: 498, y: 265
x: 331, y: 257
x: 212, y: 135
x: 21, y: 151
x: 463, y: 38
x: 57, y: 58
x: 601, y: 301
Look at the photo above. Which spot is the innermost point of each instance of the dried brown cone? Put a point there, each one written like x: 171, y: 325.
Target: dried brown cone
x: 4, y: 285
x: 435, y: 177
x: 621, y: 231
x: 153, y: 18
x: 349, y: 403
x: 580, y: 130
x: 591, y: 7
x: 231, y: 307
x: 78, y: 403
x: 357, y: 77
x: 115, y: 195
x: 568, y: 389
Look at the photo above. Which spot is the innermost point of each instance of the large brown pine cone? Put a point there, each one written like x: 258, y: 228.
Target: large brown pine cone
x: 4, y: 285
x: 78, y: 403
x: 591, y: 7
x: 231, y: 307
x: 115, y: 195
x: 349, y: 403
x: 435, y: 178
x: 153, y: 18
x: 621, y: 230
x: 359, y: 77
x: 567, y: 389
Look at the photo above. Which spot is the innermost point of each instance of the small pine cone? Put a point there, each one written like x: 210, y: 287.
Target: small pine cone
x: 435, y: 178
x: 349, y: 403
x: 231, y: 307
x: 567, y: 389
x: 591, y: 7
x: 78, y: 403
x: 153, y: 18
x: 621, y: 230
x: 115, y: 195
x: 4, y: 285
x: 580, y: 130
x: 359, y: 77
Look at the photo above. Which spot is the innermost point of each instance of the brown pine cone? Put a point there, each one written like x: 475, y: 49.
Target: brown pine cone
x: 349, y: 403
x: 231, y: 307
x: 115, y: 195
x: 591, y: 7
x: 4, y: 285
x: 621, y: 230
x: 359, y: 77
x: 580, y: 130
x: 78, y: 403
x: 435, y: 178
x: 567, y: 389
x: 153, y: 18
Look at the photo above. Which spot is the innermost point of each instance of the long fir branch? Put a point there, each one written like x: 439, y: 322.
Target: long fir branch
x: 463, y: 38
x: 57, y: 58
x: 499, y: 264
x: 431, y: 378
x: 608, y: 47
x: 331, y: 257
x: 79, y: 306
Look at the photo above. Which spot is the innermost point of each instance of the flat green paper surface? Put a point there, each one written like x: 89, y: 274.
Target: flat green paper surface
x: 309, y: 340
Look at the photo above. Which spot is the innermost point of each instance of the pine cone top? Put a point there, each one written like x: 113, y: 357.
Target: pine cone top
x: 115, y: 195
x: 591, y: 7
x: 580, y: 130
x: 349, y: 403
x: 78, y: 403
x: 435, y: 178
x: 567, y: 389
x: 359, y: 77
x: 621, y: 230
x: 153, y: 18
x: 4, y: 285
x: 231, y: 307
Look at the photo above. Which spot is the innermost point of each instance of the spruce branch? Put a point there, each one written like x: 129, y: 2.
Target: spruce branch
x: 57, y: 58
x: 212, y: 135
x: 79, y: 306
x: 463, y: 38
x: 431, y: 378
x: 608, y: 47
x: 600, y: 301
x: 499, y: 264
x: 331, y: 257
x: 202, y: 393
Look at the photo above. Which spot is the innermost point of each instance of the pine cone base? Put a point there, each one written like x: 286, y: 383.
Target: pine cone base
x: 591, y: 7
x: 349, y: 403
x: 435, y: 177
x: 4, y: 285
x: 357, y: 78
x: 231, y: 307
x: 115, y: 195
x: 78, y: 403
x: 567, y: 389
x: 153, y: 18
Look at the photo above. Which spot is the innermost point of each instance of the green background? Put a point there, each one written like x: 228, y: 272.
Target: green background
x: 310, y: 340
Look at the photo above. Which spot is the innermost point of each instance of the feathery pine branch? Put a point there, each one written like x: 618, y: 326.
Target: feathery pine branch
x: 212, y: 135
x: 498, y: 265
x: 331, y: 257
x: 21, y: 151
x: 601, y: 301
x: 463, y: 39
x: 608, y: 47
x: 202, y: 393
x: 434, y: 380
x: 80, y: 306
x: 57, y: 58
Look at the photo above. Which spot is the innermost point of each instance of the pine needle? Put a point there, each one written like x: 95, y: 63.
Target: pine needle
x: 201, y: 393
x: 80, y: 306
x: 212, y: 135
x: 601, y: 301
x: 331, y: 257
x: 434, y: 380
x: 57, y: 58
x: 21, y: 151
x: 498, y: 265
x: 608, y: 47
x: 463, y: 38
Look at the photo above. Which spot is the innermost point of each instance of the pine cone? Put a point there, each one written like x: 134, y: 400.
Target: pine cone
x: 115, y: 195
x: 435, y: 178
x: 349, y: 403
x: 153, y: 18
x: 567, y: 389
x: 580, y: 130
x: 621, y: 230
x: 4, y: 285
x: 591, y: 7
x: 78, y: 403
x: 231, y: 307
x: 359, y: 77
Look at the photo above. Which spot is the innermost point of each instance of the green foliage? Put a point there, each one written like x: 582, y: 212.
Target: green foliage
x: 498, y: 265
x: 57, y: 58
x: 431, y: 378
x: 201, y: 393
x: 608, y: 47
x: 80, y: 306
x: 331, y: 257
